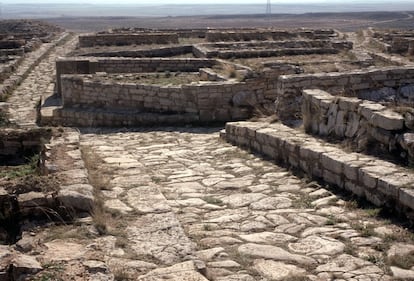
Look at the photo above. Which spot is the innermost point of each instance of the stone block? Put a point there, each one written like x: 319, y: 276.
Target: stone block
x: 387, y: 120
x: 331, y: 162
x: 349, y: 104
x: 78, y: 197
x: 375, y: 198
x: 367, y: 109
x: 355, y: 188
x: 389, y: 186
x: 406, y: 197
x: 332, y: 178
x: 367, y: 178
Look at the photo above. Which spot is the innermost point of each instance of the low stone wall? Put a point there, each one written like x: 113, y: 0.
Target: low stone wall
x: 127, y: 39
x: 368, y: 125
x: 12, y: 52
x: 207, y: 74
x: 289, y: 87
x: 7, y: 68
x: 401, y: 45
x: 18, y: 143
x: 380, y: 182
x: 211, y: 102
x: 270, y: 48
x: 261, y: 35
x: 12, y: 44
x: 82, y: 65
x: 154, y: 52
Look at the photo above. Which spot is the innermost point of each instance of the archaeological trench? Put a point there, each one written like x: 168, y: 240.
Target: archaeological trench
x: 206, y: 154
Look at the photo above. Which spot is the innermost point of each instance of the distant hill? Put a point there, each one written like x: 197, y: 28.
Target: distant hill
x: 28, y: 10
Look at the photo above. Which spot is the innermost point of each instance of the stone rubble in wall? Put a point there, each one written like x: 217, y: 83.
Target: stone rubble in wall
x: 289, y: 87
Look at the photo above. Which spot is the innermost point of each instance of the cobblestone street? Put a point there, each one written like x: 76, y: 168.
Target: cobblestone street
x: 183, y: 194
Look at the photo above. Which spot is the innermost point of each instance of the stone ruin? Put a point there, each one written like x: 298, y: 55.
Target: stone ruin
x: 18, y: 38
x: 344, y: 114
x: 395, y: 41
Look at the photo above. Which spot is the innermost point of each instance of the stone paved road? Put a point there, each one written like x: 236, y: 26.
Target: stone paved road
x: 40, y: 82
x: 185, y: 195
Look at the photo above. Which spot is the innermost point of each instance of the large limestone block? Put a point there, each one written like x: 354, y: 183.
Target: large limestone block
x: 277, y: 270
x: 387, y: 120
x: 78, y: 196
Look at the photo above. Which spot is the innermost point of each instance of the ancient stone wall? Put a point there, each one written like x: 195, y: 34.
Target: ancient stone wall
x: 288, y: 94
x: 261, y: 35
x: 19, y: 143
x: 158, y: 52
x: 83, y: 65
x: 270, y: 48
x: 127, y: 39
x: 211, y: 102
x: 368, y: 125
x: 380, y: 182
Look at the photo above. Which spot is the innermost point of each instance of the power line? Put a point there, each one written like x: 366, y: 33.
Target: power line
x: 268, y: 8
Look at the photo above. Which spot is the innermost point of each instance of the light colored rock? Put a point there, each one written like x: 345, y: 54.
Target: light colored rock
x: 159, y: 236
x: 343, y: 263
x: 64, y: 251
x: 403, y: 274
x: 118, y: 206
x: 387, y: 120
x: 209, y: 254
x: 271, y: 203
x: 272, y: 252
x: 236, y: 277
x: 147, y: 199
x: 24, y: 265
x: 400, y: 249
x: 316, y: 245
x: 224, y: 264
x: 78, y: 196
x: 273, y: 270
x: 186, y: 271
x: 268, y: 238
x: 242, y: 199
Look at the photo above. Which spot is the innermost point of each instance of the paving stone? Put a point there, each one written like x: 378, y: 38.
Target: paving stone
x: 272, y: 252
x: 224, y: 264
x: 268, y: 238
x: 277, y: 270
x: 209, y: 254
x: 186, y: 271
x: 159, y: 236
x: 242, y: 200
x: 64, y: 251
x: 403, y: 274
x: 315, y: 245
x: 400, y: 249
x: 147, y: 199
x: 271, y: 203
x: 117, y: 206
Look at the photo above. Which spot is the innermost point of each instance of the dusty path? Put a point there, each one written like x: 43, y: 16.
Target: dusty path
x: 186, y: 196
x: 39, y: 82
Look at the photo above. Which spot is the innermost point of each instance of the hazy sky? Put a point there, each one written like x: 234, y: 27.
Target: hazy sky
x: 156, y: 2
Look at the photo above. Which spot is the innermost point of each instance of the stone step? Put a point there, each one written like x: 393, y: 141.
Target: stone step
x: 86, y: 117
x: 380, y: 182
